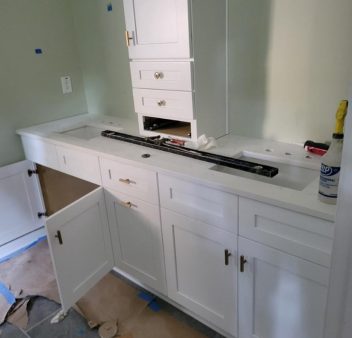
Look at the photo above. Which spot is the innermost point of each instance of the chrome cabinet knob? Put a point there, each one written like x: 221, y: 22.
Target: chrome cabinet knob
x: 158, y: 75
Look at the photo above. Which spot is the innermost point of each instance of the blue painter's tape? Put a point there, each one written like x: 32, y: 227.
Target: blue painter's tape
x: 7, y: 294
x: 18, y: 252
x: 38, y: 51
x: 154, y: 305
x: 109, y: 7
x: 148, y: 297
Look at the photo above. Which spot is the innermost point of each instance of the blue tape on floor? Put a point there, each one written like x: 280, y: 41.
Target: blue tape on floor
x: 18, y: 252
x: 9, y: 297
x: 154, y: 305
x: 148, y: 297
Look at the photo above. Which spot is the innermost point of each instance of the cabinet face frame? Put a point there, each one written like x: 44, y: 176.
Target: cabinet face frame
x: 142, y: 32
x: 291, y: 269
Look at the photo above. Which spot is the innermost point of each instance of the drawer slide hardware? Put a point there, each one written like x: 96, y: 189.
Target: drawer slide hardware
x: 243, y: 261
x: 228, y: 254
x: 127, y: 181
x: 59, y: 237
x: 128, y: 205
x: 32, y: 172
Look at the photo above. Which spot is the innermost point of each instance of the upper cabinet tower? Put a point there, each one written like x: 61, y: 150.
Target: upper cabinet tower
x: 178, y: 61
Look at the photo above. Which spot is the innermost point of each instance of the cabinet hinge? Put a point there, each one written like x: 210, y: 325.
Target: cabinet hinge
x: 42, y: 214
x: 32, y: 172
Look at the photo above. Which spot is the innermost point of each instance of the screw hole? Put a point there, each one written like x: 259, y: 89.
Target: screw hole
x: 269, y: 150
x: 288, y: 154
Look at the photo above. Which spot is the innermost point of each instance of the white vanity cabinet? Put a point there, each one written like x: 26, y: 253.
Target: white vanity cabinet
x: 200, y: 244
x: 284, y: 260
x: 280, y: 295
x: 134, y: 217
x: 178, y: 66
x: 77, y: 231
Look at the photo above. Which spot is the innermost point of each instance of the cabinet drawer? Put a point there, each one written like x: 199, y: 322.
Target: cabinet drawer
x: 130, y: 180
x: 208, y: 205
x: 162, y: 75
x: 304, y: 236
x: 163, y: 103
x: 79, y: 164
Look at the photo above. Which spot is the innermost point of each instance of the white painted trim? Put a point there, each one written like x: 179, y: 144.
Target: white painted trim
x: 339, y: 306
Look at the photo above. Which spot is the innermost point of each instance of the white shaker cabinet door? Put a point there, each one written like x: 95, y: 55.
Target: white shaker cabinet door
x: 80, y: 246
x: 201, y: 269
x: 279, y: 295
x: 137, y: 240
x: 157, y: 29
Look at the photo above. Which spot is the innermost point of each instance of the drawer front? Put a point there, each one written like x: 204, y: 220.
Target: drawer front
x: 208, y: 205
x: 40, y: 152
x: 130, y: 180
x: 163, y: 103
x: 162, y: 75
x: 297, y: 234
x: 79, y: 164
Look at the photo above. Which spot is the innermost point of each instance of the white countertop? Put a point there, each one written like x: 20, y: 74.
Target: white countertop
x: 305, y: 201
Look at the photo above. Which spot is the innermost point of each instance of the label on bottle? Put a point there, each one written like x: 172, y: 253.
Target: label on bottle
x: 329, y: 181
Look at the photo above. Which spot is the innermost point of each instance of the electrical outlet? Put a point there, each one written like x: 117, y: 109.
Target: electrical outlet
x: 66, y: 84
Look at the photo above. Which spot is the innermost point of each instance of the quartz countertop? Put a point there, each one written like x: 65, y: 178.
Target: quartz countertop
x: 304, y: 201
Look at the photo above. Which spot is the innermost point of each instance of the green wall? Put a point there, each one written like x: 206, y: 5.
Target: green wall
x: 104, y: 57
x: 30, y: 87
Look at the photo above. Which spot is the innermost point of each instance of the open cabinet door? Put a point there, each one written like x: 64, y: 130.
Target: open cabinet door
x: 80, y: 246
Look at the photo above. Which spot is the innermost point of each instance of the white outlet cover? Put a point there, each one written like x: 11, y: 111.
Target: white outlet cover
x: 66, y: 84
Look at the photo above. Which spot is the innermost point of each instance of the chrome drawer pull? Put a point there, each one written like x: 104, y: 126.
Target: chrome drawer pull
x: 158, y: 75
x: 127, y: 181
x: 162, y: 103
x: 128, y: 205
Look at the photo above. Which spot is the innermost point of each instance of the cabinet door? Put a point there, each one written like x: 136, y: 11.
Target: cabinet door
x: 280, y: 295
x: 137, y: 241
x: 201, y: 274
x: 157, y: 29
x: 20, y: 202
x: 80, y: 245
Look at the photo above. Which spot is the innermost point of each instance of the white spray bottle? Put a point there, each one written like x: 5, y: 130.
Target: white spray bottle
x: 331, y: 161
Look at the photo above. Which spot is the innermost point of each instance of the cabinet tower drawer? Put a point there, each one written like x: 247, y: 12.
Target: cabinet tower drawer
x: 163, y: 103
x: 301, y: 235
x: 161, y: 75
x: 137, y: 182
x: 201, y: 203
